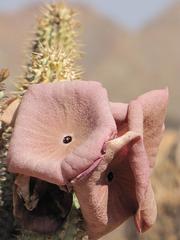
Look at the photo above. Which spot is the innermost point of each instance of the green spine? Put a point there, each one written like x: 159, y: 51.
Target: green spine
x: 7, y: 224
x: 54, y: 56
x: 55, y: 50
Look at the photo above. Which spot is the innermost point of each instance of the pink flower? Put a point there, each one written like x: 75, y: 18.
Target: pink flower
x: 69, y: 134
x: 60, y: 130
x: 120, y: 186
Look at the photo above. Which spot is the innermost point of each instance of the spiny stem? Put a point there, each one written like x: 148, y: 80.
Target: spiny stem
x: 54, y: 56
x: 55, y: 49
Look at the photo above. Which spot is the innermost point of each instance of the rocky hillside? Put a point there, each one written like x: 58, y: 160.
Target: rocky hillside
x: 146, y: 60
x: 127, y: 63
x: 15, y: 32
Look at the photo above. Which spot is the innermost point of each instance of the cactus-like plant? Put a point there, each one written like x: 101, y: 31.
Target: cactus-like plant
x: 4, y: 135
x: 7, y: 224
x: 55, y: 49
x: 3, y: 150
x: 54, y: 54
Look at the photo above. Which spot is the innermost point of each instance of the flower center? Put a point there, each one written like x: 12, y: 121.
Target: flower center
x: 67, y: 139
x: 110, y: 176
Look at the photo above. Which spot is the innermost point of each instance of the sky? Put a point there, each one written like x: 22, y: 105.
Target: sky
x: 131, y: 13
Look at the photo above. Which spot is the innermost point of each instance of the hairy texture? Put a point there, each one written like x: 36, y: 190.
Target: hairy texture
x: 51, y: 114
x: 106, y: 152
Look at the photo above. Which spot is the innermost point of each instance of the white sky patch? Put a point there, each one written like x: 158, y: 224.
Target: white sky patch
x: 131, y: 13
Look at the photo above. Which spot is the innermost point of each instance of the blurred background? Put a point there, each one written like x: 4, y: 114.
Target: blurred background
x: 131, y: 47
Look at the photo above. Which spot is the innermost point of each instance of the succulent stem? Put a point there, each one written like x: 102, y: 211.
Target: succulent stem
x: 54, y: 54
x: 55, y: 49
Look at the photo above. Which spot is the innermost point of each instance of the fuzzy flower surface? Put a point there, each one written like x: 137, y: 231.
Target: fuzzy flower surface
x: 120, y: 186
x: 60, y: 130
x: 68, y: 133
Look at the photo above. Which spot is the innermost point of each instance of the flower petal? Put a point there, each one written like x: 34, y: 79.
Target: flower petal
x: 154, y: 105
x: 120, y: 188
x: 48, y: 116
x: 9, y: 114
